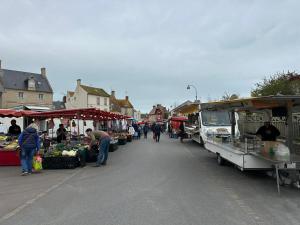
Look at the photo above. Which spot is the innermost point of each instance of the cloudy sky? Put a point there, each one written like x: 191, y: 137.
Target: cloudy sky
x: 153, y: 49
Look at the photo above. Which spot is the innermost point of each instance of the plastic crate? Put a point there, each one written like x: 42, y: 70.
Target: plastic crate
x: 113, y: 147
x: 122, y: 141
x: 62, y: 162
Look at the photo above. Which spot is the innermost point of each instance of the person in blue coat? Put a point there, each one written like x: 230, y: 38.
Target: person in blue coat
x: 29, y: 143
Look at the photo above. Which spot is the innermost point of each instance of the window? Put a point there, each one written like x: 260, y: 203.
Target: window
x: 105, y: 101
x: 41, y: 96
x: 98, y: 100
x: 21, y: 95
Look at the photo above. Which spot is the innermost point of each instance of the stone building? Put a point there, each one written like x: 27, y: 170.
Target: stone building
x: 158, y: 113
x: 87, y: 97
x: 19, y: 89
x: 122, y: 106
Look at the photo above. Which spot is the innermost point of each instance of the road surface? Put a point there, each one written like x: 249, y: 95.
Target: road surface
x: 148, y: 183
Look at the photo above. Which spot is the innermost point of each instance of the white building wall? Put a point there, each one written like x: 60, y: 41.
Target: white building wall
x: 92, y: 102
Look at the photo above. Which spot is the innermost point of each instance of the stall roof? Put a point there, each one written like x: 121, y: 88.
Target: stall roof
x: 85, y: 114
x: 255, y: 103
x: 14, y: 113
x: 187, y: 107
x: 179, y: 118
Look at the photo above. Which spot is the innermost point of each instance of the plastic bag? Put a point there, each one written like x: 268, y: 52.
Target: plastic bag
x: 37, y: 163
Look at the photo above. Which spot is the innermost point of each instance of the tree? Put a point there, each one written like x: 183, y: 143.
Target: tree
x: 228, y: 97
x: 278, y: 84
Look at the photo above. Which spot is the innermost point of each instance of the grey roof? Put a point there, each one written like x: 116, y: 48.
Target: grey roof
x: 59, y: 105
x: 11, y: 79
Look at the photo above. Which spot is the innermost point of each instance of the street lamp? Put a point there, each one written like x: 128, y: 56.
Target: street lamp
x: 189, y: 87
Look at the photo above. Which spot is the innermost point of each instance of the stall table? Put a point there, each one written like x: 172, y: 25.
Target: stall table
x: 9, y: 158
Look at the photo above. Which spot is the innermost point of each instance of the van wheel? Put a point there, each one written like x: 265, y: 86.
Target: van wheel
x: 220, y: 160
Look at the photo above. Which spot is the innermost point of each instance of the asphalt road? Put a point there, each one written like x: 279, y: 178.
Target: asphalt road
x: 147, y: 183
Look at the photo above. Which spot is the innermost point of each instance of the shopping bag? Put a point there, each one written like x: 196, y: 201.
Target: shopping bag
x: 37, y: 163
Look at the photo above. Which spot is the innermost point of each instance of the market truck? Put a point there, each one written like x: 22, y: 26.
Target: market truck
x: 241, y: 147
x: 203, y: 124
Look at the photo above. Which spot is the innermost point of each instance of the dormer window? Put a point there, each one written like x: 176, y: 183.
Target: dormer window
x: 31, y: 84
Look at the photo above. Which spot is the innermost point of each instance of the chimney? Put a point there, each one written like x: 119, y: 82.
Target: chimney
x: 127, y: 98
x: 43, y: 71
x: 78, y: 82
x: 65, y: 99
x: 113, y: 93
x: 0, y: 65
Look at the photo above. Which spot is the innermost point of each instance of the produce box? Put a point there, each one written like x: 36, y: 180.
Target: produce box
x: 113, y: 147
x: 61, y: 162
x: 129, y: 138
x: 122, y: 141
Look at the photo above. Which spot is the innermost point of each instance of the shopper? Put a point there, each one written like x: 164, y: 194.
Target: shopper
x: 145, y: 130
x: 157, y: 131
x: 14, y: 129
x: 61, y: 134
x: 170, y: 130
x: 104, y: 141
x: 30, y: 144
x: 181, y: 131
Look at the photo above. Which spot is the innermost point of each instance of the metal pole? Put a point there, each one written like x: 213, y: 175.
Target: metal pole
x: 290, y: 133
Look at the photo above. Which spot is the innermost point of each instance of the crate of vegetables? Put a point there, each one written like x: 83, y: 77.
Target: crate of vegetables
x: 60, y: 162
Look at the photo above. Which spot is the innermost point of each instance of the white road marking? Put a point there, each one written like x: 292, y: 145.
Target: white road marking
x: 31, y: 201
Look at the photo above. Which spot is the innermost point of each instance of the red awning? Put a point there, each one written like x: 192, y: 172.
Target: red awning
x: 179, y: 118
x: 14, y: 113
x: 84, y: 114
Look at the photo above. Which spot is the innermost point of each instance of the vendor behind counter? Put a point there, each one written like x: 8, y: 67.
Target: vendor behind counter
x: 14, y: 129
x: 268, y: 132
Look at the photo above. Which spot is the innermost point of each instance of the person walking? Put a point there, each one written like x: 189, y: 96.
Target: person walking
x: 181, y: 132
x: 145, y: 130
x: 29, y: 142
x: 157, y: 131
x: 103, y: 139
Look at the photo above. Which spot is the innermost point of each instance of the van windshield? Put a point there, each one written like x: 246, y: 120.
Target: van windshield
x: 215, y: 118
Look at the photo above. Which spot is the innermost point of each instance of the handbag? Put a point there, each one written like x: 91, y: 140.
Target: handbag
x: 37, y: 163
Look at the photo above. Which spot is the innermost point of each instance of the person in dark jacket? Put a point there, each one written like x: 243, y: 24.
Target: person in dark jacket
x: 145, y: 130
x: 181, y: 131
x: 61, y: 133
x: 157, y: 131
x: 14, y: 129
x: 29, y: 142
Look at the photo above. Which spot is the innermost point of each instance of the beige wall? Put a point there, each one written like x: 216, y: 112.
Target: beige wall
x: 10, y: 98
x: 81, y: 99
x: 92, y: 102
x: 127, y: 111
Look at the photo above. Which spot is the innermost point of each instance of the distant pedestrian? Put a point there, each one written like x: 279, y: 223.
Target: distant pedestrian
x: 157, y: 131
x: 181, y: 131
x: 104, y: 141
x: 145, y: 130
x: 29, y: 142
x: 139, y: 131
x: 169, y: 130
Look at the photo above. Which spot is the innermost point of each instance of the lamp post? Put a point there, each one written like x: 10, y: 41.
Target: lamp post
x: 189, y: 87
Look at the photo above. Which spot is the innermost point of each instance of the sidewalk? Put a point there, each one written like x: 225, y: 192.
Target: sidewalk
x: 16, y: 190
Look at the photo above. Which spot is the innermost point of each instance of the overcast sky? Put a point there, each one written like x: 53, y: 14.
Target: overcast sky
x: 152, y: 49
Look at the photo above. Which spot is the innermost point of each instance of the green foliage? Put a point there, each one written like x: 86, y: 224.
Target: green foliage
x: 278, y: 84
x: 228, y: 97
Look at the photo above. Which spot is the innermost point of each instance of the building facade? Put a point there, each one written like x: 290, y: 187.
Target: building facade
x: 87, y: 97
x: 158, y: 113
x: 19, y: 89
x: 122, y: 106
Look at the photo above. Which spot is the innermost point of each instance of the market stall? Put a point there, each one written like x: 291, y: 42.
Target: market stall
x: 9, y: 154
x: 74, y: 151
